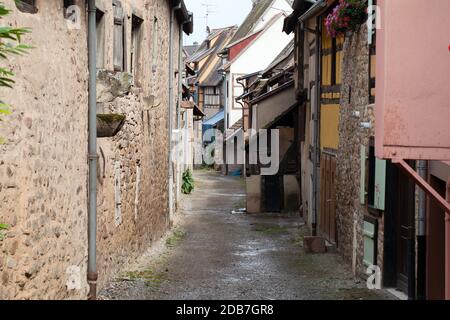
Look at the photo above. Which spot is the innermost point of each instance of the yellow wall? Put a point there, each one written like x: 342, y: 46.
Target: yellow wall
x: 329, y: 126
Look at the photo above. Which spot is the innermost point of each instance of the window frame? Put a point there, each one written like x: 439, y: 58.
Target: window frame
x: 119, y: 24
x: 25, y: 7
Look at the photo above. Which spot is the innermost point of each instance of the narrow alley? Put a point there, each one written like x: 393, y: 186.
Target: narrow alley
x: 224, y: 150
x: 215, y: 254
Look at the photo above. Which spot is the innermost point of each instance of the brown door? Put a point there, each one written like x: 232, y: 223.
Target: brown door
x: 435, y: 251
x: 405, y: 229
x: 327, y: 221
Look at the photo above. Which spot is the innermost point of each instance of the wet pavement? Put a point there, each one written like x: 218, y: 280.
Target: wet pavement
x: 214, y: 254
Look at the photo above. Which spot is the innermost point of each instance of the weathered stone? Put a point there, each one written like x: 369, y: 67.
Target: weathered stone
x: 46, y: 190
x: 11, y: 263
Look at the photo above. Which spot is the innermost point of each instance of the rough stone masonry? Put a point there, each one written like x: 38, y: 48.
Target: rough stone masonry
x: 43, y: 166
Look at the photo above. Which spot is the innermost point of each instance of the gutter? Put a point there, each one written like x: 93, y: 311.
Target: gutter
x: 313, y: 11
x: 421, y: 235
x: 92, y: 274
x: 266, y: 95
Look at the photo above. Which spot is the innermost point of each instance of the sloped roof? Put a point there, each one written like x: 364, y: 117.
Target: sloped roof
x: 258, y: 35
x: 190, y: 50
x: 252, y: 19
x: 199, y: 55
x: 214, y: 78
x: 281, y: 60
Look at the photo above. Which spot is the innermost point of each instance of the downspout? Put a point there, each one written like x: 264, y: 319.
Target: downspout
x: 244, y: 171
x: 170, y: 115
x: 447, y: 246
x: 180, y: 98
x: 421, y: 235
x: 225, y: 121
x: 316, y: 128
x: 92, y: 274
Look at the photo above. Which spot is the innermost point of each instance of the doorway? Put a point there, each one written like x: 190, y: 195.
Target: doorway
x: 435, y: 247
x: 399, y: 243
x: 273, y: 193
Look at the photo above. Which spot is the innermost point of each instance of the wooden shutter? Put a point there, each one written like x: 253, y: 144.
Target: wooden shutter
x: 119, y: 37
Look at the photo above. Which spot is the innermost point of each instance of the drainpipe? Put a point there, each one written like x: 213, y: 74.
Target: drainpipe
x: 421, y: 235
x: 180, y: 98
x: 92, y: 274
x: 317, y: 129
x: 170, y: 115
x: 225, y: 121
x: 447, y: 246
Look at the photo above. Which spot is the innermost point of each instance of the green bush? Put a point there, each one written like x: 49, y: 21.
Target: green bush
x: 188, y: 182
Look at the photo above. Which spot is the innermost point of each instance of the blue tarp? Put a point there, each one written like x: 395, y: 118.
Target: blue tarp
x: 214, y: 119
x: 208, y: 136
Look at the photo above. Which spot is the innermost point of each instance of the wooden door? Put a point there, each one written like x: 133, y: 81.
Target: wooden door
x: 435, y: 252
x: 327, y: 220
x: 405, y: 230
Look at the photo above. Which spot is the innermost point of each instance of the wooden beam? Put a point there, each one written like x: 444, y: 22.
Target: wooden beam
x: 423, y: 184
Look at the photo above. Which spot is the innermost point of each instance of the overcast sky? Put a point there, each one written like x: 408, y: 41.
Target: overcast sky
x: 224, y: 13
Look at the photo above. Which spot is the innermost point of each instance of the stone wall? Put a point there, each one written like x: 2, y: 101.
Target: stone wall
x: 354, y: 98
x: 43, y: 167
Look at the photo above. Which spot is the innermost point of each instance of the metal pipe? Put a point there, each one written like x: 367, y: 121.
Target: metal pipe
x: 180, y: 76
x: 225, y: 121
x: 447, y: 246
x: 170, y: 115
x: 421, y: 234
x: 92, y: 274
x: 316, y: 117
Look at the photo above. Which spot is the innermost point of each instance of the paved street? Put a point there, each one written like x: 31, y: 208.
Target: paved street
x: 214, y: 254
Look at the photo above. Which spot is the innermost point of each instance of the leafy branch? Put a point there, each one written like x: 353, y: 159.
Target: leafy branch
x: 10, y: 45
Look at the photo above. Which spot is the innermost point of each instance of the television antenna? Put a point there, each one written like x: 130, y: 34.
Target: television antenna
x: 208, y: 7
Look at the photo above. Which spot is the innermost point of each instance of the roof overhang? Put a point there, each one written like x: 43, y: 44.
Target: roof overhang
x: 273, y: 92
x: 303, y: 10
x: 183, y: 16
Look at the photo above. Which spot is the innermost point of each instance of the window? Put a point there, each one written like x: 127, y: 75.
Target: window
x: 119, y: 37
x: 376, y: 178
x: 136, y: 26
x: 212, y: 97
x: 155, y: 44
x: 100, y: 24
x: 28, y: 6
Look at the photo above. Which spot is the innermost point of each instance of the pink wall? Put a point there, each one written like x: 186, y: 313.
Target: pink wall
x: 413, y: 80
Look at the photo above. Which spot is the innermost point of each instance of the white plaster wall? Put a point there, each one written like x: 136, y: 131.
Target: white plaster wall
x: 255, y: 58
x: 276, y: 7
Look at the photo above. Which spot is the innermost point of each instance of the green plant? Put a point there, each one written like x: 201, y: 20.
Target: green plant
x: 10, y: 44
x: 3, y: 227
x: 188, y: 182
